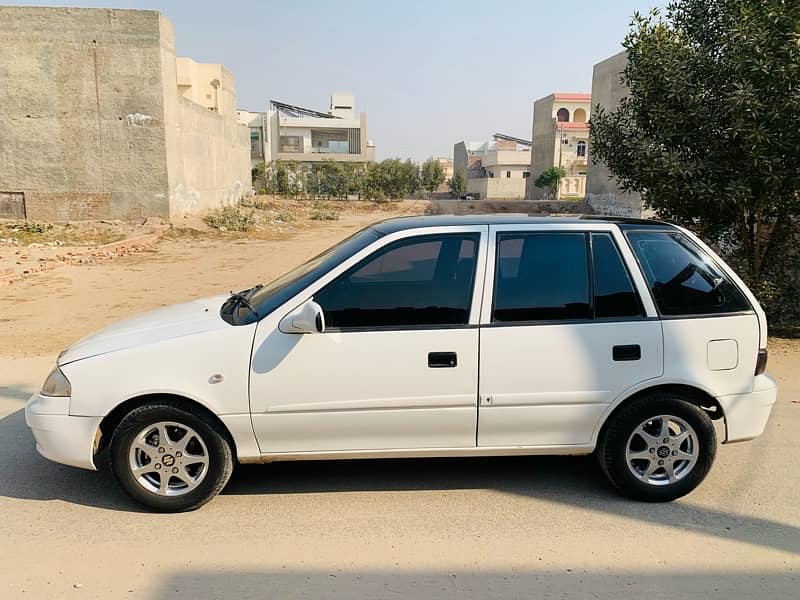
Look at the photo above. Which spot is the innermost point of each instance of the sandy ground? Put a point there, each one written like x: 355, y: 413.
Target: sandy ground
x: 479, y: 528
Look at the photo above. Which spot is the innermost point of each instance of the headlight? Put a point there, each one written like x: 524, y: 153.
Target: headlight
x: 56, y: 384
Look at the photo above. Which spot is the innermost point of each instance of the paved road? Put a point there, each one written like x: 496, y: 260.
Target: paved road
x: 482, y: 528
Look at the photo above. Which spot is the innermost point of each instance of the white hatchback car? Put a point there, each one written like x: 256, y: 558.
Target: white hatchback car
x: 430, y: 336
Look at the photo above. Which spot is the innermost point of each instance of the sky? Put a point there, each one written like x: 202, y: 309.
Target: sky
x: 427, y: 73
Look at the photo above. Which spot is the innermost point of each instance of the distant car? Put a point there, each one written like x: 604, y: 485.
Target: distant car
x: 430, y: 336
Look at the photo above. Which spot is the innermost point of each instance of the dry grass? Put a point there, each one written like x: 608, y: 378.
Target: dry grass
x: 269, y: 217
x: 77, y: 233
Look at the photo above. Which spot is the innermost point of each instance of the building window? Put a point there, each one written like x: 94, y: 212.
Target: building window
x: 526, y: 174
x: 291, y: 143
x: 581, y: 150
x: 256, y: 148
x: 579, y: 115
x: 508, y: 174
x: 562, y: 116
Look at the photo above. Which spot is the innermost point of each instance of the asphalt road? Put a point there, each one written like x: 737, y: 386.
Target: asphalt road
x: 478, y: 528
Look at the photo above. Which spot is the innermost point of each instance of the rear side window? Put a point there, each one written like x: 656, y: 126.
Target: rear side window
x: 614, y: 295
x: 684, y: 280
x: 542, y: 276
x: 421, y: 281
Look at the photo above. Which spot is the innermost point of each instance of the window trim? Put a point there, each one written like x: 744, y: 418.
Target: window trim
x: 728, y: 272
x: 308, y: 292
x: 638, y: 281
x: 477, y: 236
x: 589, y: 286
x: 615, y: 244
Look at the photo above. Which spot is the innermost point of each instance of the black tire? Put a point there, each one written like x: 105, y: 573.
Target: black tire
x: 613, y: 444
x: 218, y: 449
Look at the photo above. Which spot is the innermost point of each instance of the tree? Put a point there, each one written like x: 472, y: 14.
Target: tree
x: 458, y: 184
x: 432, y: 175
x: 709, y: 133
x: 282, y: 185
x: 550, y: 178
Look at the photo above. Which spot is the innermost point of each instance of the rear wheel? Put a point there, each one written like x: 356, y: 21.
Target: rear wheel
x: 169, y: 459
x: 658, y: 447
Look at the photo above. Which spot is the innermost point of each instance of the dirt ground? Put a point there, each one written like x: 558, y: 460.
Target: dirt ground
x: 43, y: 312
x: 533, y: 527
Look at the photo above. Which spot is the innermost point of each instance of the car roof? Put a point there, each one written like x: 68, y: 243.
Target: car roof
x: 402, y: 223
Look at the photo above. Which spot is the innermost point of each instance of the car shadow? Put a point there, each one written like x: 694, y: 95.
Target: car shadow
x: 520, y: 583
x: 26, y: 475
x: 574, y: 481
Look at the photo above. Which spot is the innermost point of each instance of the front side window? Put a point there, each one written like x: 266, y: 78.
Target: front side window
x: 684, y: 280
x: 421, y: 281
x: 541, y: 276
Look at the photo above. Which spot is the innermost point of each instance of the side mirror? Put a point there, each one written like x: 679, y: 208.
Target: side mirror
x: 306, y: 319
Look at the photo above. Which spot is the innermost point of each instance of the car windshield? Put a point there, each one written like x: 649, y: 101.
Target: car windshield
x: 262, y: 300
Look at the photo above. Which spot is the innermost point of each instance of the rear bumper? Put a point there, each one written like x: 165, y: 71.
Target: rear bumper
x: 746, y: 415
x: 59, y: 436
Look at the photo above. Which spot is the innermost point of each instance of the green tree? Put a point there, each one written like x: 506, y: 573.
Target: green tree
x: 709, y: 133
x: 408, y: 183
x: 432, y: 175
x: 458, y: 184
x: 549, y: 178
x: 281, y: 178
x: 261, y: 183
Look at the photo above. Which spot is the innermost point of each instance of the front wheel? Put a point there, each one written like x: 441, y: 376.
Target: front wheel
x: 169, y: 459
x: 658, y: 447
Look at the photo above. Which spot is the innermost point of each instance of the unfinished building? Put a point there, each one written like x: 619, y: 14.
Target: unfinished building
x: 100, y: 119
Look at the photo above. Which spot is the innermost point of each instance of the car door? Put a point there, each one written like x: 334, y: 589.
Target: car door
x: 397, y: 365
x: 564, y: 331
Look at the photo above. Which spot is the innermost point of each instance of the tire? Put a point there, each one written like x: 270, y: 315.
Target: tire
x: 177, y: 476
x: 633, y: 443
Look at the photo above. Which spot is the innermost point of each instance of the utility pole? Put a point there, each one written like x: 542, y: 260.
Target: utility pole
x: 560, y: 130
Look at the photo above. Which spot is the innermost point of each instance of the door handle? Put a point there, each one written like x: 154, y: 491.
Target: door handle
x: 439, y: 360
x: 630, y: 352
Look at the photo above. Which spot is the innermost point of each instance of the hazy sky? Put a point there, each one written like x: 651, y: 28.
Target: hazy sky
x: 427, y: 73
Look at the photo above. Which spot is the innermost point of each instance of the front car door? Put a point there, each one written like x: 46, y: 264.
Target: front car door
x: 564, y: 331
x: 397, y: 366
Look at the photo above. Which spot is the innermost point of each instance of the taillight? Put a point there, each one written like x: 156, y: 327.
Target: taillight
x: 761, y: 361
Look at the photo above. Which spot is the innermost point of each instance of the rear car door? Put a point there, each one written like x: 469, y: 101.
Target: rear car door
x: 564, y: 331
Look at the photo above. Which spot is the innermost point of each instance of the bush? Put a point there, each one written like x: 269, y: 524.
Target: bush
x: 30, y: 227
x: 254, y: 202
x: 284, y: 216
x: 231, y: 218
x: 324, y: 214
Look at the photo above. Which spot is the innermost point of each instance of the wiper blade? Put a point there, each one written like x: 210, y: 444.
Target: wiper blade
x: 242, y: 299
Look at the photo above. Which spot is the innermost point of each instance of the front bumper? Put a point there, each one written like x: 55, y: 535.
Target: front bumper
x: 746, y: 415
x: 59, y: 436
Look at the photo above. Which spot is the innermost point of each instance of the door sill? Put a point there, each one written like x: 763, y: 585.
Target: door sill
x: 575, y: 449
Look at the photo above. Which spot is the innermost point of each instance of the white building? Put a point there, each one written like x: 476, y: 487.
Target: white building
x: 292, y: 133
x: 495, y: 170
x: 257, y: 123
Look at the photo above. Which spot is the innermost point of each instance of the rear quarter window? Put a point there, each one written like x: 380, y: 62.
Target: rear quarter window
x: 684, y: 280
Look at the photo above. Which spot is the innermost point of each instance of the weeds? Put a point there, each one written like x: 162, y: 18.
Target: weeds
x: 324, y: 214
x: 231, y: 218
x: 31, y: 227
x: 284, y: 217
